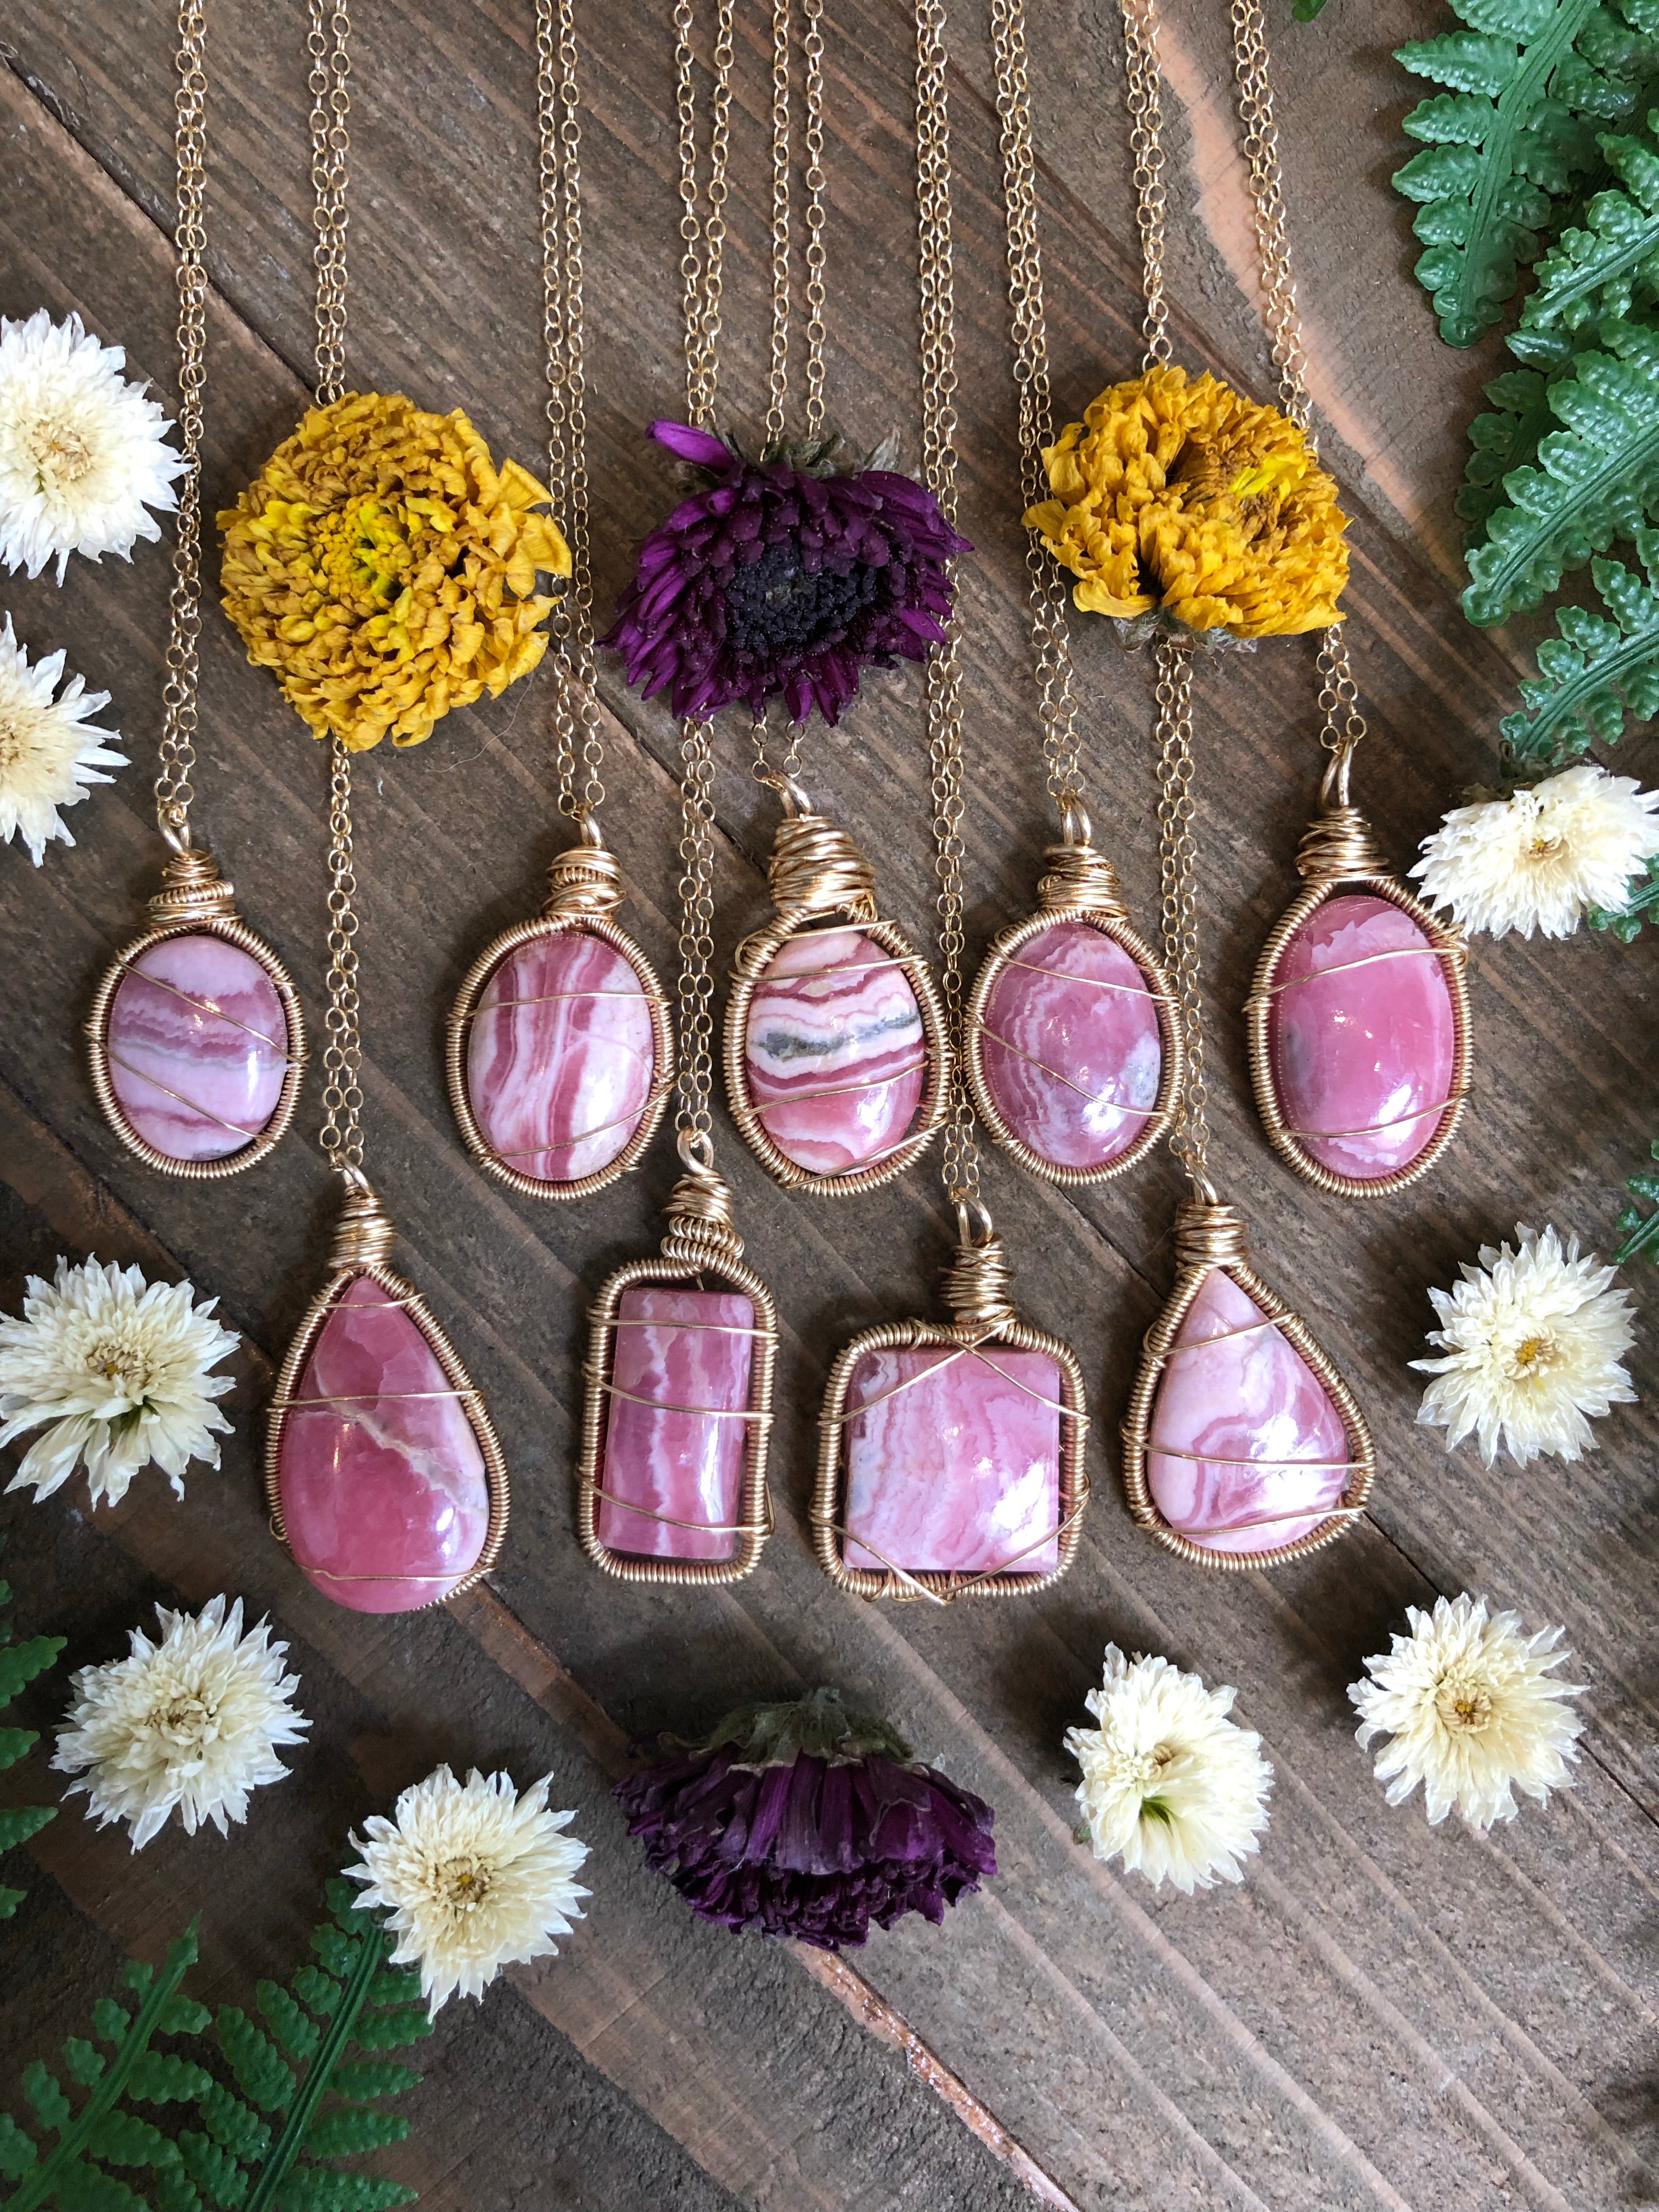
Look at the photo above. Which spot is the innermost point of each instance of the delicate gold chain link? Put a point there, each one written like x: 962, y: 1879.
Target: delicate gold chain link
x: 1050, y: 632
x: 1146, y: 107
x: 694, y: 1070
x: 1189, y: 1136
x: 778, y: 382
x: 327, y: 43
x: 703, y: 237
x: 575, y: 705
x: 177, y: 748
x: 812, y: 50
x: 939, y: 429
x: 342, y: 1138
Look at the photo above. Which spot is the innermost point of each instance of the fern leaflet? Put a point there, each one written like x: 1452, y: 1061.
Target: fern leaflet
x: 18, y: 1665
x: 1599, y: 669
x: 1603, y: 268
x: 314, y: 2075
x: 1641, y: 1230
x: 1526, y: 84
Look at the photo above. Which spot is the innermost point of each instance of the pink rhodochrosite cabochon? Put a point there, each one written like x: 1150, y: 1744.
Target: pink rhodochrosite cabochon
x: 198, y: 1047
x: 671, y: 1475
x: 1362, y: 1035
x: 561, y: 1057
x: 381, y: 1477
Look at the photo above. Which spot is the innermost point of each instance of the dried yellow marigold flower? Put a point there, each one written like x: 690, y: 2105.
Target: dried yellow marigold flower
x: 385, y: 567
x: 1178, y: 500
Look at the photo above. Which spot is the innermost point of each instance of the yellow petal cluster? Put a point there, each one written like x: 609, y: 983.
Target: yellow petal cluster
x: 386, y: 570
x: 1176, y: 496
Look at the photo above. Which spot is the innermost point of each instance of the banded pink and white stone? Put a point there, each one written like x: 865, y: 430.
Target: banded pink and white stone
x: 1071, y: 1048
x: 676, y: 1433
x: 197, y: 1044
x: 1245, y: 1449
x: 835, y: 1052
x: 379, y: 1472
x: 561, y: 1057
x: 1363, y: 1037
x: 953, y: 1460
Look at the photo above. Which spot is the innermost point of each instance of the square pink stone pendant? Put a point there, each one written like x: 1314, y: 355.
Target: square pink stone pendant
x: 671, y: 1477
x: 1358, y: 1022
x: 951, y: 1462
x: 1243, y: 1446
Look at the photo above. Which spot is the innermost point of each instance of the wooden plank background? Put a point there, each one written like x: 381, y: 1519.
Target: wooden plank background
x: 1383, y: 2015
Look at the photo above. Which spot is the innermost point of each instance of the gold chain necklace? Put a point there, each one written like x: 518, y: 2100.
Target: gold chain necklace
x: 371, y: 1397
x: 197, y: 1043
x: 559, y: 1046
x: 951, y: 1460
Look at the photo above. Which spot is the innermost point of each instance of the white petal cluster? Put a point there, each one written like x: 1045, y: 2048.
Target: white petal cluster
x: 1533, y: 1341
x: 1542, y: 858
x: 1469, y: 1710
x: 1169, y: 1785
x: 190, y: 1722
x: 114, y: 1371
x: 475, y: 1876
x: 83, y: 454
x: 50, y: 753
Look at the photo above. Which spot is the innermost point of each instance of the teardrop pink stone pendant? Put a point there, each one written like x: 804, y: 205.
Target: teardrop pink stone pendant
x: 837, y: 1052
x: 1073, y: 1053
x: 1359, y: 1021
x: 195, y: 1038
x: 1243, y: 1446
x: 383, y: 1470
x: 560, y: 1050
x: 670, y: 1483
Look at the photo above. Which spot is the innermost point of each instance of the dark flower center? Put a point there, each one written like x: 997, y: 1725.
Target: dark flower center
x: 776, y: 607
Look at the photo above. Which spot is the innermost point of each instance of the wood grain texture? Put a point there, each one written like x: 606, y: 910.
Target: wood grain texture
x: 1383, y: 2015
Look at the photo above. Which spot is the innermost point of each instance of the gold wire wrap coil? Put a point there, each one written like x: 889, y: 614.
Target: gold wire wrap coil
x: 192, y: 888
x: 1337, y: 843
x: 979, y: 1285
x: 701, y: 1226
x: 1208, y: 1236
x: 363, y: 1234
x: 584, y: 880
x: 1077, y: 876
x: 816, y: 868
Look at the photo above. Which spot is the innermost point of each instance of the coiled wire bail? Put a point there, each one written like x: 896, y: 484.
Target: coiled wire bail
x: 703, y: 1230
x: 979, y: 1284
x: 363, y: 1235
x: 1210, y: 1234
x: 192, y: 889
x: 814, y: 866
x: 1339, y: 841
x: 1076, y: 875
x: 585, y: 878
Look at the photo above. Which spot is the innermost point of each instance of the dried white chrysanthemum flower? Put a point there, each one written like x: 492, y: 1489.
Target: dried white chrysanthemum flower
x: 191, y: 1722
x: 118, y: 1367
x: 83, y: 454
x: 1169, y: 1783
x: 1533, y: 1339
x: 1542, y: 858
x: 476, y: 1877
x: 1470, y: 1712
x: 50, y: 752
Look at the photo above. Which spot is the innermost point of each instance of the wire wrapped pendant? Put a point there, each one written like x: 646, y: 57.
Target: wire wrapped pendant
x: 383, y: 1470
x: 950, y: 1464
x: 838, y: 1057
x: 671, y: 1484
x: 1359, y: 1018
x: 195, y: 1038
x: 1243, y: 1446
x: 1072, y: 1050
x: 560, y: 1052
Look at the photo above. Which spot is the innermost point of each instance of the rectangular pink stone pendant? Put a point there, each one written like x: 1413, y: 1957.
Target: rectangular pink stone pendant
x: 671, y: 1477
x: 951, y: 1463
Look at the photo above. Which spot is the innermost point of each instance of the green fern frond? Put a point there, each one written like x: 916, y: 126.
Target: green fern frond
x: 1625, y: 922
x: 20, y: 1664
x: 1604, y: 267
x: 1526, y: 85
x: 1597, y: 478
x: 1504, y: 439
x: 1600, y: 668
x: 320, y: 2107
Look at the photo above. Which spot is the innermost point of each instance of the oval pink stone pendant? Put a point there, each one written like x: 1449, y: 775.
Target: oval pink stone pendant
x: 560, y: 1049
x: 1073, y: 1053
x: 383, y: 1470
x: 837, y: 1056
x: 672, y: 1479
x: 952, y: 1457
x: 1358, y: 1022
x: 196, y: 1038
x: 1243, y: 1446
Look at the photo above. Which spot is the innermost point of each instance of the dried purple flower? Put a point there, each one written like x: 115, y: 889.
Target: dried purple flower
x: 807, y: 1820
x: 785, y: 578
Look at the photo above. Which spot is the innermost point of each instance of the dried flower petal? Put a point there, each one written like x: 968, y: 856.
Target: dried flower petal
x: 1176, y: 498
x: 50, y: 752
x: 386, y: 570
x: 1543, y: 857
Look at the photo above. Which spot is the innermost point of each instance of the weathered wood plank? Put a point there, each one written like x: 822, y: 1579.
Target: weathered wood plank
x: 1386, y: 2016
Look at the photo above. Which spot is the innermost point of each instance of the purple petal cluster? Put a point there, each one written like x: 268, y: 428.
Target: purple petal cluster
x: 780, y: 582
x: 812, y: 1846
